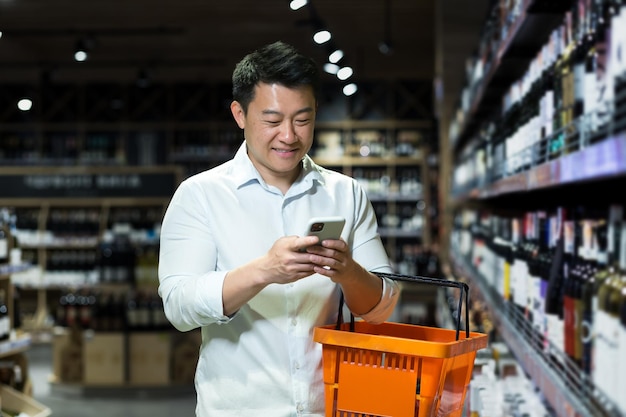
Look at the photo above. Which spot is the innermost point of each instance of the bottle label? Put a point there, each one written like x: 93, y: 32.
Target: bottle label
x: 4, y: 249
x: 5, y: 327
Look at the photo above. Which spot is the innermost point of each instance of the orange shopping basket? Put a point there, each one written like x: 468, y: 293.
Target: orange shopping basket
x: 398, y: 370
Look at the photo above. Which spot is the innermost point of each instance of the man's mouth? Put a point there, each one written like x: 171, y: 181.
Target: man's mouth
x: 284, y: 150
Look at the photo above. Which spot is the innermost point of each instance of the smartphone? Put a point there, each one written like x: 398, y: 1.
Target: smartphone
x: 325, y: 227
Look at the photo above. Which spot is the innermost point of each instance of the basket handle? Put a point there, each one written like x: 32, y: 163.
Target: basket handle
x: 462, y: 286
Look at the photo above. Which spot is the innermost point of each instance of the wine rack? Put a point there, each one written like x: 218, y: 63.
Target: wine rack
x: 73, y: 236
x: 528, y: 137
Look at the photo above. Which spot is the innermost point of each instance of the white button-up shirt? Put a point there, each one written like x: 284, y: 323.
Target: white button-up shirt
x: 262, y: 361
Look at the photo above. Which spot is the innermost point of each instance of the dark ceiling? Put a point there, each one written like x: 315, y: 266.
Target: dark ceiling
x: 203, y: 39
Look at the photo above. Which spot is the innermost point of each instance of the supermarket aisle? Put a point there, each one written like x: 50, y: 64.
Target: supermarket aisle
x: 40, y: 368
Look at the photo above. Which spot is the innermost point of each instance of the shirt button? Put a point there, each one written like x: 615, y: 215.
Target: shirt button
x: 296, y: 366
x: 294, y: 321
x: 300, y: 407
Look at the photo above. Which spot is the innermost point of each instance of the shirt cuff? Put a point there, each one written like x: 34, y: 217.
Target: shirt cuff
x: 383, y: 310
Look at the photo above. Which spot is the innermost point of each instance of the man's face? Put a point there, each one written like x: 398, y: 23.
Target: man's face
x: 278, y: 128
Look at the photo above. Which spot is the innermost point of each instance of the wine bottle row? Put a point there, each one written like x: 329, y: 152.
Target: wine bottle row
x: 111, y: 311
x: 564, y: 270
x: 382, y: 143
x: 377, y: 182
x: 28, y: 148
x: 570, y: 96
x: 406, y: 216
x: 499, y: 388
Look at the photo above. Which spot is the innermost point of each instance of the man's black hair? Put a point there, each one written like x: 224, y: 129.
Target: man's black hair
x: 276, y: 63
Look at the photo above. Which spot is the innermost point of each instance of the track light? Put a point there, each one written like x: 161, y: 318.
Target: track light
x: 297, y: 4
x: 80, y: 53
x: 344, y: 73
x: 349, y: 89
x: 335, y: 56
x: 331, y: 68
x: 25, y: 104
x: 385, y: 47
x: 322, y: 36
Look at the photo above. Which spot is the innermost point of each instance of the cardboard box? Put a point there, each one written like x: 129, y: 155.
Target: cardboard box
x: 104, y: 358
x: 185, y: 356
x: 149, y: 358
x: 16, y: 401
x: 67, y: 355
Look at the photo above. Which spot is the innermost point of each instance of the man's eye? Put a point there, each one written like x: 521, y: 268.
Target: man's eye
x: 303, y: 121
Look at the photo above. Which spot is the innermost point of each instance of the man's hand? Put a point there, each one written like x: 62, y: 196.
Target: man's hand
x: 288, y: 260
x: 333, y: 259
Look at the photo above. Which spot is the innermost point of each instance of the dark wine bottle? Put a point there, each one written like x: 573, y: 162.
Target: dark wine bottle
x: 5, y: 320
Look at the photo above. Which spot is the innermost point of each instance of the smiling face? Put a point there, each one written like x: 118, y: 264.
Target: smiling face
x: 278, y: 128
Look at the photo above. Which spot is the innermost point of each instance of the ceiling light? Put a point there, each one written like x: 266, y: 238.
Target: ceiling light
x: 335, y: 56
x: 0, y: 33
x: 80, y: 56
x: 80, y: 53
x: 25, y: 104
x: 350, y: 89
x: 143, y: 79
x: 322, y: 36
x: 297, y: 4
x: 344, y: 73
x: 331, y: 68
x: 385, y: 48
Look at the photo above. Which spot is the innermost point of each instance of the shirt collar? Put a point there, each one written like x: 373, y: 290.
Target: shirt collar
x: 244, y: 172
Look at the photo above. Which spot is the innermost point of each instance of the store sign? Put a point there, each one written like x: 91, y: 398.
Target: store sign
x: 77, y: 185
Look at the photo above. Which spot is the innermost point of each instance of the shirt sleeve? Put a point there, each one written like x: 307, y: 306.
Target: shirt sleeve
x: 384, y: 309
x: 192, y: 297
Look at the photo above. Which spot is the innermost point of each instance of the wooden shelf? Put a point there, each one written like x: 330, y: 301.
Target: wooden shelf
x: 18, y: 345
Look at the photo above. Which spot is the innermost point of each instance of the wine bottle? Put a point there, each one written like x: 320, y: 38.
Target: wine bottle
x: 622, y: 348
x: 564, y: 235
x: 5, y: 321
x: 611, y: 328
x: 601, y: 94
x: 602, y: 325
x: 571, y: 276
x: 587, y: 293
x: 4, y: 239
x: 584, y: 270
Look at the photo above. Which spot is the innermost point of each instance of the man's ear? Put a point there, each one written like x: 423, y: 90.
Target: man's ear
x: 238, y: 114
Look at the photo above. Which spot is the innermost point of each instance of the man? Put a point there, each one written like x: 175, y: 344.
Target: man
x: 234, y: 261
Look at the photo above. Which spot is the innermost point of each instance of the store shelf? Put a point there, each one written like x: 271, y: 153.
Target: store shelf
x: 365, y: 161
x: 568, y: 391
x: 6, y: 270
x: 600, y: 161
x: 527, y: 34
x: 400, y: 198
x: 386, y: 232
x: 75, y: 390
x: 14, y: 346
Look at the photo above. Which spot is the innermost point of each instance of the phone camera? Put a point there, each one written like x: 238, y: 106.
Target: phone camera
x: 316, y: 227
